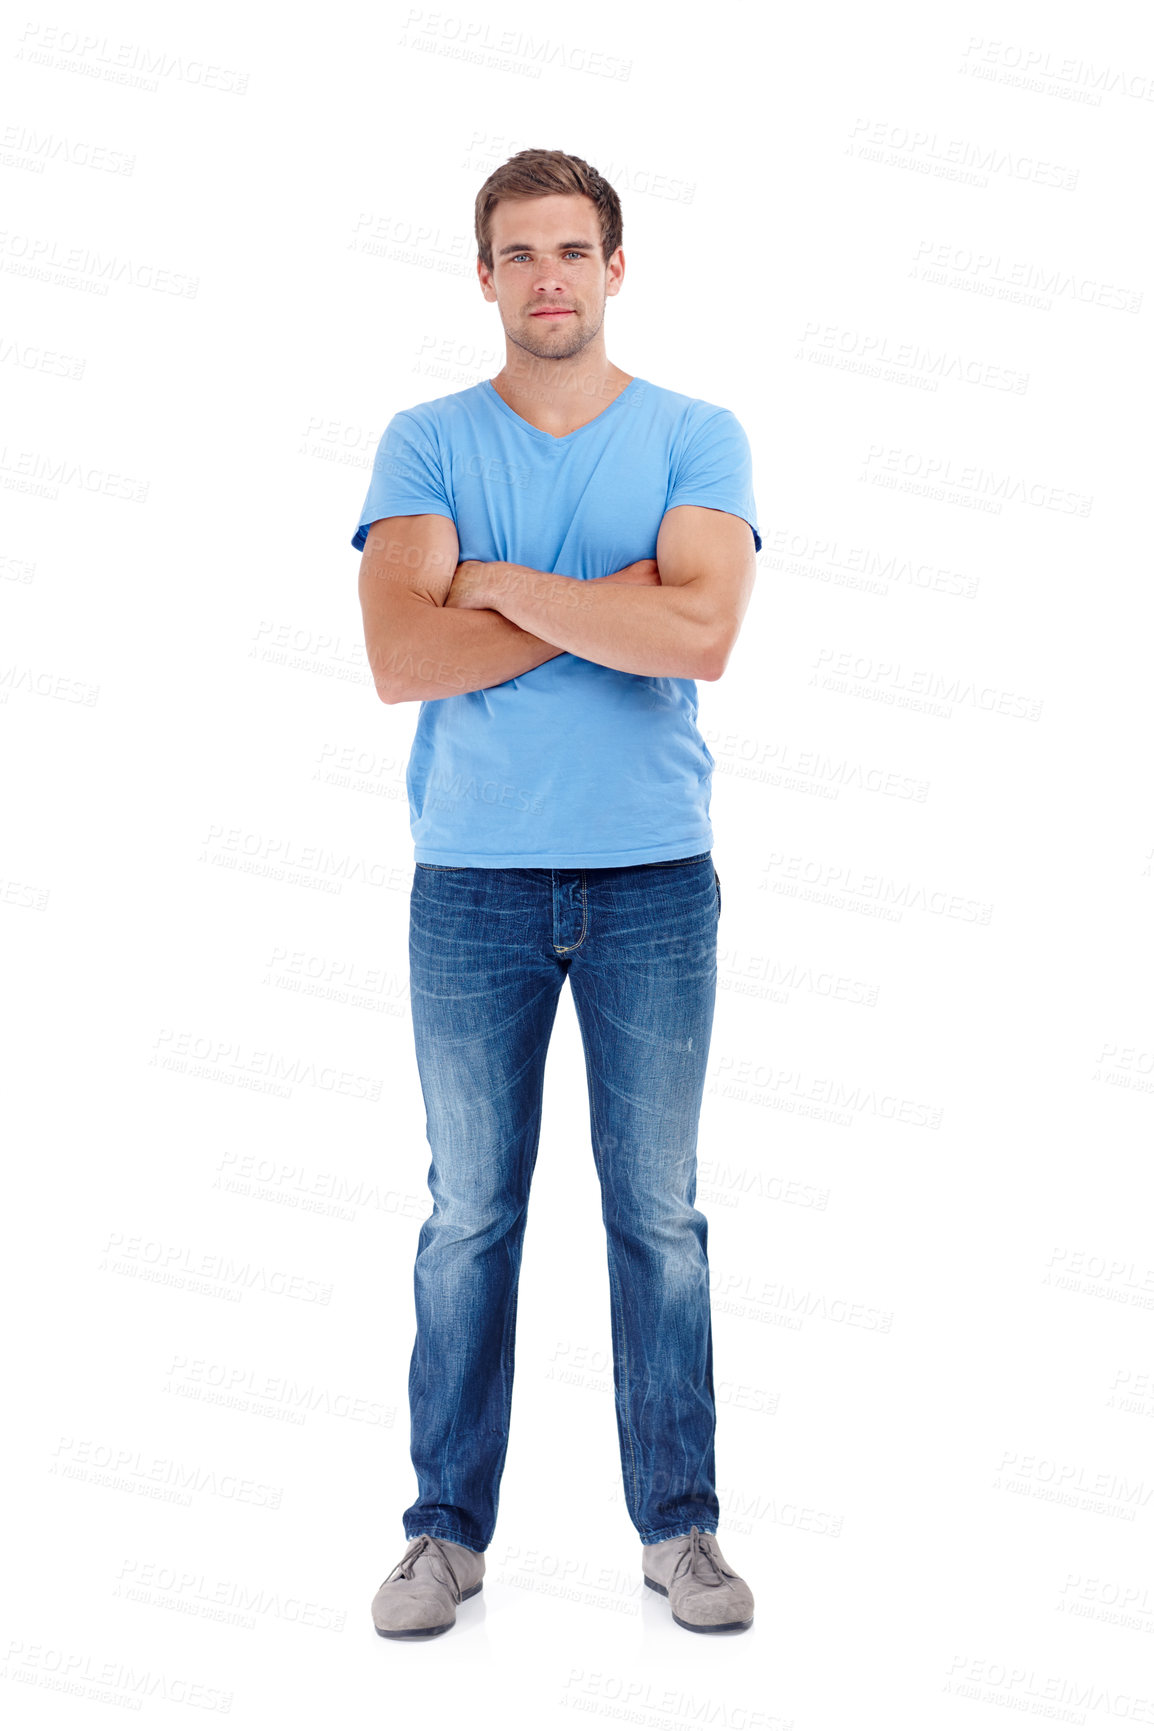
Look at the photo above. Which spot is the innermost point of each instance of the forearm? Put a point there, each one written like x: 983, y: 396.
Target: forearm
x: 660, y: 632
x: 427, y: 656
x: 447, y: 651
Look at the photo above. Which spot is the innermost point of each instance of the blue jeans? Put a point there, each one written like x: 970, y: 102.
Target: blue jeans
x: 489, y: 951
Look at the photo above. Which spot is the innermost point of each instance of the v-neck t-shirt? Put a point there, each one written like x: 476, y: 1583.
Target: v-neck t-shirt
x: 572, y: 764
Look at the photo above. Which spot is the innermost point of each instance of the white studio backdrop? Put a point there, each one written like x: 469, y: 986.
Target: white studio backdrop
x: 908, y: 248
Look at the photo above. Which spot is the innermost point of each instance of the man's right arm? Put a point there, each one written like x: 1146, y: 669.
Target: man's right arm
x: 417, y: 647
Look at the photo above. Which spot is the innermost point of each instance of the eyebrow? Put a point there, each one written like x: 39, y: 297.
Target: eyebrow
x: 566, y: 246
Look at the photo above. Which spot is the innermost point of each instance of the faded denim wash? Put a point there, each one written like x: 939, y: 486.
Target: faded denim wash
x: 489, y: 953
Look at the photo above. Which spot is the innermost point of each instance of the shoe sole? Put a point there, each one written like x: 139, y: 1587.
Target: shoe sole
x: 436, y: 1629
x: 697, y: 1628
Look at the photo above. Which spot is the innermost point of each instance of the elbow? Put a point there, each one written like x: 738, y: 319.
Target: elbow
x: 714, y: 657
x: 385, y: 669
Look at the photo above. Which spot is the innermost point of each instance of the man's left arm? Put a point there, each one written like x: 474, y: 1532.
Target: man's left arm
x: 683, y: 629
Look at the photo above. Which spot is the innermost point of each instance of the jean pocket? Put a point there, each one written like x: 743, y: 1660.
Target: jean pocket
x: 421, y: 866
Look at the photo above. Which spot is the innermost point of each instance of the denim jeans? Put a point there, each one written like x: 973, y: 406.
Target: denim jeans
x: 489, y: 952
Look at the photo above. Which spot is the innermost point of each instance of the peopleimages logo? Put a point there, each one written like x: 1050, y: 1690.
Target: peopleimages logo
x: 476, y: 39
x: 113, y: 1682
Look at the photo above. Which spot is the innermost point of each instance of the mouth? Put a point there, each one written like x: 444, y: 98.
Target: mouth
x: 553, y: 313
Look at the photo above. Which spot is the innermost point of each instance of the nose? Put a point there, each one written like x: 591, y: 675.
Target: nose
x: 548, y: 286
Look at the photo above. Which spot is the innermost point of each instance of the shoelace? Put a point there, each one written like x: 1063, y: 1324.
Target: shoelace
x: 417, y: 1549
x: 700, y: 1561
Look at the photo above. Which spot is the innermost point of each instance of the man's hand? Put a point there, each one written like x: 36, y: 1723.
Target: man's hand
x: 467, y: 588
x: 641, y: 571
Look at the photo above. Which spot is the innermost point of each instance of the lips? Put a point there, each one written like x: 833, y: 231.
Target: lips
x: 553, y: 313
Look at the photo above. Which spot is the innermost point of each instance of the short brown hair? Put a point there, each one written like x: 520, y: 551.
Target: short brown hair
x: 535, y: 174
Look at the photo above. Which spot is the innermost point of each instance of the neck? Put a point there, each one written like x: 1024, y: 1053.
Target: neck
x: 558, y: 389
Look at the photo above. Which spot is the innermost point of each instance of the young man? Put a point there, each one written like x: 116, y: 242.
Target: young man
x: 551, y: 558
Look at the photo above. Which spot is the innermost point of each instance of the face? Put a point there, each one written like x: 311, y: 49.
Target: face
x: 549, y: 280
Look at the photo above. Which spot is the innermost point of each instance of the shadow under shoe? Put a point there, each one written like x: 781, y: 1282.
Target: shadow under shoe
x: 703, y: 1591
x: 421, y: 1595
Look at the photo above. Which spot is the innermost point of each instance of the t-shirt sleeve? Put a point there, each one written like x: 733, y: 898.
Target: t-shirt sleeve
x: 407, y: 479
x: 716, y: 469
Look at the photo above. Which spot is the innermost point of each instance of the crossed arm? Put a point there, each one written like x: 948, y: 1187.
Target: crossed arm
x: 495, y: 620
x: 685, y: 627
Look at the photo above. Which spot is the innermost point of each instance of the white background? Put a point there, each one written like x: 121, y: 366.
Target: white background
x: 909, y: 248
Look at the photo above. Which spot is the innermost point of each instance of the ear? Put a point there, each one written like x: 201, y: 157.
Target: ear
x: 485, y: 278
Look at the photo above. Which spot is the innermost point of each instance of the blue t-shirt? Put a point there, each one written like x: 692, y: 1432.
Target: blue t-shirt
x: 571, y: 764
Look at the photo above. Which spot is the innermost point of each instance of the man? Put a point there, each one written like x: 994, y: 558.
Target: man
x: 551, y: 559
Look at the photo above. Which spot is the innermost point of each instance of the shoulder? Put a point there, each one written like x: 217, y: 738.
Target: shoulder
x: 688, y: 414
x: 439, y: 415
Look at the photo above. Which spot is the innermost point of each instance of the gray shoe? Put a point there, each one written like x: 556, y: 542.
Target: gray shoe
x: 421, y: 1595
x: 703, y: 1591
